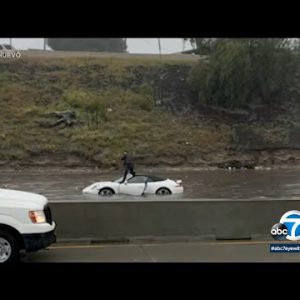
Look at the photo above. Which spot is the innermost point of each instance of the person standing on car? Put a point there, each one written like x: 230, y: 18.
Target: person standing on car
x: 128, y: 165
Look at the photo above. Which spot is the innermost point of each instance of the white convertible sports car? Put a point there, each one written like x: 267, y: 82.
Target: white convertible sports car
x: 136, y: 185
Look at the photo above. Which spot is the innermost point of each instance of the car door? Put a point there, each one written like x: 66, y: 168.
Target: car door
x: 134, y: 186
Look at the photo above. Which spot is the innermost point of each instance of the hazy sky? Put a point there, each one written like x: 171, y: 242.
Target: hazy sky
x: 136, y: 45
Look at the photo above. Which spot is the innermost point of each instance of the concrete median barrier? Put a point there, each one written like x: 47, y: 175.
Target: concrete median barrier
x: 165, y: 220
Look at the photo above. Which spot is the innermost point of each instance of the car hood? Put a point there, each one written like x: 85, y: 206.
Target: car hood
x: 21, y: 199
x: 106, y: 182
x: 102, y: 183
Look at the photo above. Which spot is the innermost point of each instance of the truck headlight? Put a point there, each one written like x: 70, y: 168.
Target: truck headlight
x: 37, y: 216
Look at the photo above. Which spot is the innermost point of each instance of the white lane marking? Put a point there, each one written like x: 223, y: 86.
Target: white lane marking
x: 86, y: 246
x: 161, y: 244
x: 147, y: 253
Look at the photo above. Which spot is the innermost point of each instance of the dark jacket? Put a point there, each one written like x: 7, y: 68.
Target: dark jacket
x: 127, y: 161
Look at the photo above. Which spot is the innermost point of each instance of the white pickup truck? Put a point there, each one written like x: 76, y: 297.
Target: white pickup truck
x: 25, y: 224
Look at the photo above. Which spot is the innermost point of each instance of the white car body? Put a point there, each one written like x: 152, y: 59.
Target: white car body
x: 15, y: 210
x: 136, y: 186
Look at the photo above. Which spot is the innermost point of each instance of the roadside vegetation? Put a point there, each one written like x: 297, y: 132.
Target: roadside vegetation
x: 239, y: 99
x: 115, y: 110
x: 243, y: 72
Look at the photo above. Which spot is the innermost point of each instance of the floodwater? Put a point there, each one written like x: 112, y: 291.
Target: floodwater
x: 238, y: 184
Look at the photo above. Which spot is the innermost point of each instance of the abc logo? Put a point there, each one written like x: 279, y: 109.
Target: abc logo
x: 279, y: 232
x: 288, y: 227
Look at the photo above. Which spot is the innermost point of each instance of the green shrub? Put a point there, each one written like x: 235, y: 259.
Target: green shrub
x: 245, y: 71
x: 94, y: 113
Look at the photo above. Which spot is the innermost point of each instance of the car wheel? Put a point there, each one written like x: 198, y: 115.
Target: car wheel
x: 106, y: 192
x: 9, y: 248
x: 163, y: 191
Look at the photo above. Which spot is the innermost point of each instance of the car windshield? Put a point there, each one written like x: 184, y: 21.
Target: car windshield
x: 149, y: 178
x: 118, y: 180
x: 138, y: 179
x: 121, y: 178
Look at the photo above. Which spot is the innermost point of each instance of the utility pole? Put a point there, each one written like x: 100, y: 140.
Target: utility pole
x: 159, y: 46
x: 45, y: 43
x: 10, y: 41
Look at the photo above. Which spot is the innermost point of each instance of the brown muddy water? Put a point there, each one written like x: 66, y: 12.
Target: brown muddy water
x: 238, y: 184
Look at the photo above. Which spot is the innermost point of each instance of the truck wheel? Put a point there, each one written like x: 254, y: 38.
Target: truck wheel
x: 9, y: 248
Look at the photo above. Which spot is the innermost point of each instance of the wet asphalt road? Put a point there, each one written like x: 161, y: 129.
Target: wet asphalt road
x: 240, y: 184
x: 212, y: 251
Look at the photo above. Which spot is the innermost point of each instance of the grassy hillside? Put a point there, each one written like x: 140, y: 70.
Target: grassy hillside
x: 121, y: 92
x: 134, y: 104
